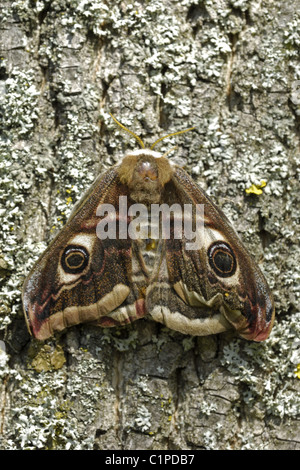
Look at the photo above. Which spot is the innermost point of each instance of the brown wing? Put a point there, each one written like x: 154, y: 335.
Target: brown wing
x: 81, y: 278
x: 215, y: 287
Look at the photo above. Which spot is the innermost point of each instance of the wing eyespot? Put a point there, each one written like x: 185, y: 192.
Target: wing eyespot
x: 74, y: 259
x: 221, y: 259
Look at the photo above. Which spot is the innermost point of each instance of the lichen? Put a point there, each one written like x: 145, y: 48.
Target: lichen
x: 121, y: 338
x: 19, y: 104
x: 39, y: 424
x: 267, y: 369
x: 143, y: 418
x: 158, y: 66
x: 297, y: 371
x: 19, y: 111
x: 256, y: 188
x: 42, y: 418
x: 46, y: 357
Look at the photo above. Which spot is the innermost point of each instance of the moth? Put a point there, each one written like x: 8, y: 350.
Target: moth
x: 108, y: 268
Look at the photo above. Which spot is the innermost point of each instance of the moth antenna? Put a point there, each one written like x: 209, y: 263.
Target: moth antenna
x: 130, y: 132
x: 170, y: 150
x: 170, y: 135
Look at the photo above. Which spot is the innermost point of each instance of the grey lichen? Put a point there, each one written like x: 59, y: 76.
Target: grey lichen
x: 143, y: 418
x: 45, y: 357
x: 19, y: 103
x: 268, y: 370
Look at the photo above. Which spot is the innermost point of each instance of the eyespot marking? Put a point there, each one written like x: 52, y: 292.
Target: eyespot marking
x: 74, y: 259
x: 222, y: 259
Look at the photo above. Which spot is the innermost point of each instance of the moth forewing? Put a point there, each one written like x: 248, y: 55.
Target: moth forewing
x: 228, y: 269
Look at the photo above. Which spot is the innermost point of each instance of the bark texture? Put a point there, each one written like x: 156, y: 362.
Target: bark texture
x: 228, y: 67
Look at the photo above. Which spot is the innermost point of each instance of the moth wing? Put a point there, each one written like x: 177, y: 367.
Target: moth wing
x: 216, y: 286
x: 81, y: 278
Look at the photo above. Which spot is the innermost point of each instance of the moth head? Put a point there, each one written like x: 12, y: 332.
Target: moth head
x: 146, y: 171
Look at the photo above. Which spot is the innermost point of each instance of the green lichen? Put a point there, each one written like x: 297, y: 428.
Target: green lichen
x: 43, y: 417
x: 44, y: 424
x: 17, y: 165
x: 267, y: 369
x: 19, y: 104
x: 122, y: 338
x: 46, y: 357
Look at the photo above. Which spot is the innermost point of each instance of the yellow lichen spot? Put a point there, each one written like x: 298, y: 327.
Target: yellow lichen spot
x: 69, y: 199
x: 256, y: 188
x: 63, y: 409
x: 46, y: 357
x: 60, y: 415
x: 226, y: 294
x: 297, y: 371
x: 170, y: 418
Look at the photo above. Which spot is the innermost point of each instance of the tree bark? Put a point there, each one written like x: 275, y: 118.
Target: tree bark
x: 231, y: 69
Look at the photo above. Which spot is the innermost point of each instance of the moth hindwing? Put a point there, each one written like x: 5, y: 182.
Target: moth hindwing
x: 147, y: 241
